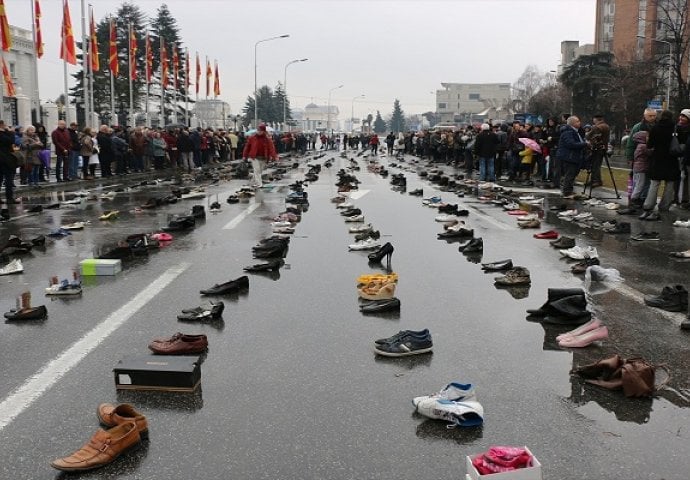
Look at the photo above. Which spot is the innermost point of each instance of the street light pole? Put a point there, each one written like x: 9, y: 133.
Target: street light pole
x: 256, y: 92
x: 670, y: 67
x: 285, y: 88
x: 328, y: 118
x: 352, y: 111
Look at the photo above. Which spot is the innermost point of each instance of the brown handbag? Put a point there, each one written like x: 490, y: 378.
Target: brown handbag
x: 635, y: 376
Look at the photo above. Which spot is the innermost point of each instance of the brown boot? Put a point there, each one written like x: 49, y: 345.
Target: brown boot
x: 111, y: 415
x: 103, y: 448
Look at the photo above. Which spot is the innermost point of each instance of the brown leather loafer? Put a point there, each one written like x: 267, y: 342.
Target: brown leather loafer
x: 103, y: 448
x: 179, y: 344
x: 111, y: 416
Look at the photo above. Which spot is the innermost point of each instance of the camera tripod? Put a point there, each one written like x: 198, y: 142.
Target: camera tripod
x: 613, y: 181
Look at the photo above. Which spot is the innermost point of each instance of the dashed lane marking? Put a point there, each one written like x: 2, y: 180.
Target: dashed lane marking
x: 46, y: 377
x: 236, y: 221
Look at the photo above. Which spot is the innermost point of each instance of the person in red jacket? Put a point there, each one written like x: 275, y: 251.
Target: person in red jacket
x: 259, y: 149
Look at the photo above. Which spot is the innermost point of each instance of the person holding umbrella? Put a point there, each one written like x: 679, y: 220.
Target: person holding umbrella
x: 527, y: 154
x: 259, y: 149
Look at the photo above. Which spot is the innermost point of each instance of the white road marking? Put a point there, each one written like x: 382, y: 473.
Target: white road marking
x: 236, y: 221
x: 50, y: 373
x: 357, y: 194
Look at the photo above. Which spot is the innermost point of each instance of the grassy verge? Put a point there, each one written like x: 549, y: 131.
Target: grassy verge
x: 620, y: 175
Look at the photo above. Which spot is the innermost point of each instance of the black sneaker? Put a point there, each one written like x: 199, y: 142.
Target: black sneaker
x: 402, y: 333
x: 672, y: 299
x: 405, y: 346
x: 376, y: 306
x: 202, y: 313
x: 563, y: 243
x: 645, y: 236
x: 620, y: 227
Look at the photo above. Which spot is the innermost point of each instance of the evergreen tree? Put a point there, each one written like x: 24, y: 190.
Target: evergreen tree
x: 379, y: 123
x: 279, y: 98
x: 398, y: 118
x: 270, y: 106
x: 101, y: 79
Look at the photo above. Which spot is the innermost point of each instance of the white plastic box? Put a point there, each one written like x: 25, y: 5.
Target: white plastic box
x: 529, y: 473
x: 95, y: 266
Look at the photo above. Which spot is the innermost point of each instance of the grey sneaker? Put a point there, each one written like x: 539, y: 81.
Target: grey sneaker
x: 515, y: 276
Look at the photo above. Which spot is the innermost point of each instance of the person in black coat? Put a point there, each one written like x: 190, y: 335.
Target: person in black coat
x: 8, y: 166
x: 663, y: 166
x: 485, y: 146
x: 571, y: 153
x: 106, y: 153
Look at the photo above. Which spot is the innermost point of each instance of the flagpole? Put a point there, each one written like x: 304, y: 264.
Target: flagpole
x: 176, y: 70
x: 92, y: 106
x: 197, y: 66
x: 131, y: 90
x: 36, y: 93
x: 114, y: 120
x: 162, y: 116
x: 186, y: 88
x: 84, y: 72
x: 147, y: 74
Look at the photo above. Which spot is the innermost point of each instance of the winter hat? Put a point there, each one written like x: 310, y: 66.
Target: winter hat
x: 485, y: 126
x: 686, y: 113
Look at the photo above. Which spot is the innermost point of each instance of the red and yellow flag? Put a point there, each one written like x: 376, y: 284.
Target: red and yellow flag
x: 175, y: 65
x: 186, y: 71
x: 216, y: 82
x: 132, y: 53
x: 68, y: 50
x: 5, y: 28
x: 112, y: 50
x: 209, y: 73
x: 149, y: 59
x: 9, y: 85
x: 93, y: 46
x: 198, y: 73
x: 164, y: 65
x: 38, y: 41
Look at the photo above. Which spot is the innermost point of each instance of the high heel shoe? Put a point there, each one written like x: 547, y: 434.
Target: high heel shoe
x: 385, y: 251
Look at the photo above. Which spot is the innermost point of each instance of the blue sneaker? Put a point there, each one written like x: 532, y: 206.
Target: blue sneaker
x: 460, y: 414
x: 401, y: 334
x: 454, y: 391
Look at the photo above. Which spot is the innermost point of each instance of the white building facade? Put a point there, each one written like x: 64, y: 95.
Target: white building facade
x: 460, y: 102
x: 213, y: 113
x: 316, y: 118
x: 21, y: 63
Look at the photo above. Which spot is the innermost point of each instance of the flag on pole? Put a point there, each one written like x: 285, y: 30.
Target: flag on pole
x: 198, y: 73
x: 5, y: 28
x: 132, y: 53
x: 164, y: 65
x: 209, y: 73
x: 68, y: 50
x: 186, y: 71
x: 113, y: 60
x: 38, y: 41
x: 216, y: 81
x: 149, y: 59
x: 93, y: 46
x: 175, y: 65
x: 9, y: 86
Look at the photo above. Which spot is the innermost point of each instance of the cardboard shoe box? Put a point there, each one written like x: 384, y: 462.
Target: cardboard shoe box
x: 97, y: 266
x: 168, y: 373
x: 529, y: 473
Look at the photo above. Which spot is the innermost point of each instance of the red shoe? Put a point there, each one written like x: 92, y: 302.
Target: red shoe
x: 551, y: 234
x: 517, y: 212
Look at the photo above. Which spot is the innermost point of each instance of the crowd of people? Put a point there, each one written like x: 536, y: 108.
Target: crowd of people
x: 549, y: 156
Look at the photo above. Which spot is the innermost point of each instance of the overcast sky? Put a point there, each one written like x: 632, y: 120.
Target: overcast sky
x: 378, y: 48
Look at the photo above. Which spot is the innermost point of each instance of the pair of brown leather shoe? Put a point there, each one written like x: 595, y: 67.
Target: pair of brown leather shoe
x: 179, y: 344
x: 128, y: 426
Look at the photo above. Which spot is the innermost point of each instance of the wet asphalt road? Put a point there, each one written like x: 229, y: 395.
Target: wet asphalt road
x: 291, y: 388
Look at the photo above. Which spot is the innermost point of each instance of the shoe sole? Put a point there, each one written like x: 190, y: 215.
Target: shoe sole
x: 130, y: 449
x: 403, y: 354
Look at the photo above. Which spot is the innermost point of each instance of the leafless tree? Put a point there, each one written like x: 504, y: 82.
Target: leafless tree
x: 672, y: 27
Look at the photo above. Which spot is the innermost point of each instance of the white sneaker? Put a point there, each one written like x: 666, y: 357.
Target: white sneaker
x: 15, y: 266
x: 582, y: 216
x: 613, y: 206
x: 368, y: 244
x: 567, y: 213
x: 445, y: 218
x: 511, y: 206
x: 460, y: 414
x: 527, y: 218
x: 345, y: 205
x: 282, y: 224
x: 535, y: 201
x: 355, y: 218
x: 364, y: 228
x: 453, y: 391
x: 682, y: 223
x: 580, y: 253
x: 525, y: 198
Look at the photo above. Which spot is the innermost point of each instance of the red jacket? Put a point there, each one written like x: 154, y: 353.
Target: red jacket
x: 260, y: 146
x: 62, y: 141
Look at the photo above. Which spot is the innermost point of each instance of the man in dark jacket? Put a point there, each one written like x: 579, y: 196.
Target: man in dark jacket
x: 195, y: 137
x: 105, y: 146
x: 8, y: 166
x: 598, y: 137
x: 74, y: 153
x: 571, y: 153
x: 485, y: 148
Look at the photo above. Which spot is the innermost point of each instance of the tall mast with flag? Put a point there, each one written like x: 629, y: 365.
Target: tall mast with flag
x: 68, y: 52
x: 164, y: 79
x: 209, y: 73
x: 132, y: 60
x: 197, y: 76
x: 216, y: 87
x: 6, y: 42
x: 149, y: 72
x: 94, y: 56
x: 38, y: 48
x: 186, y: 87
x: 176, y: 72
x: 114, y: 65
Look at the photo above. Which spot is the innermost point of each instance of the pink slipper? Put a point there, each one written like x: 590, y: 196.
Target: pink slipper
x: 591, y: 325
x: 517, y: 212
x: 585, y: 339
